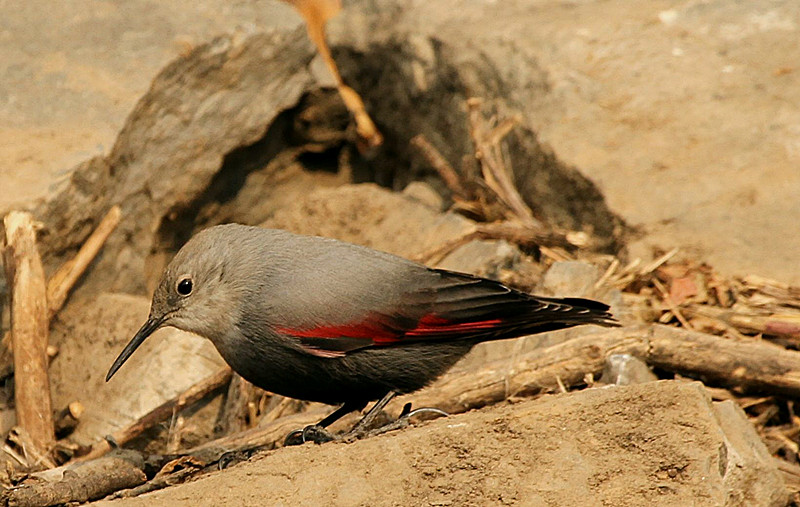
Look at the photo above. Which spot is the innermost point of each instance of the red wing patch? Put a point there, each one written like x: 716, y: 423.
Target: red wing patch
x: 335, y: 341
x: 431, y: 325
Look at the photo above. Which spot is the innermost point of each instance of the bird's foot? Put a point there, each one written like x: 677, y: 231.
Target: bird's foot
x: 231, y: 458
x: 314, y: 433
x: 402, y: 421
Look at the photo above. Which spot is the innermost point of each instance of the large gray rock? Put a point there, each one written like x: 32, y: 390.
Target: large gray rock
x: 662, y: 443
x: 372, y: 216
x: 74, y: 70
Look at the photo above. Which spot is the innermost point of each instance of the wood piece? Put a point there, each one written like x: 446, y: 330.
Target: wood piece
x: 177, y: 428
x: 529, y: 235
x: 81, y: 483
x: 783, y: 325
x: 174, y: 472
x: 234, y: 415
x: 442, y: 166
x: 161, y: 413
x: 751, y: 364
x: 68, y: 418
x: 29, y: 329
x: 523, y: 235
x: 63, y: 280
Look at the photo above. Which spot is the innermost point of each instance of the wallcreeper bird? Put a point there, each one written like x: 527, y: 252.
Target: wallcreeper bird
x: 323, y: 320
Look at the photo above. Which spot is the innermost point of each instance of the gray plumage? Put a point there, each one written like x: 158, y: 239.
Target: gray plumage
x: 323, y: 320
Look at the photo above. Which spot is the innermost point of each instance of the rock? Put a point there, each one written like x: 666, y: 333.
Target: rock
x: 425, y: 194
x: 625, y: 369
x: 745, y: 464
x: 90, y: 337
x: 483, y: 258
x: 223, y: 95
x: 571, y: 278
x: 662, y: 443
x: 372, y: 216
x: 97, y: 77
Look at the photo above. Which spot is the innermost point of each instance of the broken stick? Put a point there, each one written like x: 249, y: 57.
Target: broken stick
x: 63, y: 280
x: 68, y: 274
x: 442, y: 166
x: 81, y: 482
x: 162, y: 412
x: 29, y: 329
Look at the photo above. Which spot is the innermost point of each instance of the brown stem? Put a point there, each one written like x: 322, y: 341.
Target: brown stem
x: 163, y: 412
x: 442, y: 166
x: 29, y: 329
x: 86, y: 481
x: 64, y: 279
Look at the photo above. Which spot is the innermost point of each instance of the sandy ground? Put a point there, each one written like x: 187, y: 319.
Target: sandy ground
x: 553, y: 451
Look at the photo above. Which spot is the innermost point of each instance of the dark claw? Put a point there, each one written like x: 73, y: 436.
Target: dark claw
x: 313, y: 433
x: 229, y: 458
x: 317, y: 434
x: 293, y: 438
x: 424, y: 410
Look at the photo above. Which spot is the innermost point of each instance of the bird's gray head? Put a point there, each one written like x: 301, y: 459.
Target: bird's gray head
x: 201, y: 289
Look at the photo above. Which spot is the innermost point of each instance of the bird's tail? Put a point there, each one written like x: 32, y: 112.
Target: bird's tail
x: 481, y: 310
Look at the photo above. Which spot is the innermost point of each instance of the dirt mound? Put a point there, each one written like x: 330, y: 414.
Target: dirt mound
x: 623, y: 446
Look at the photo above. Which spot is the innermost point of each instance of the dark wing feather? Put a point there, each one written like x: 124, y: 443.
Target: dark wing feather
x: 454, y: 306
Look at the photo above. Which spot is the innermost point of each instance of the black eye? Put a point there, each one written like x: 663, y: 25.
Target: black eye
x: 185, y: 286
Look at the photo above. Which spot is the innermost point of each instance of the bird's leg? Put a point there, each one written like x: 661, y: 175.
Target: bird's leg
x: 404, y: 419
x: 317, y: 432
x: 365, y: 423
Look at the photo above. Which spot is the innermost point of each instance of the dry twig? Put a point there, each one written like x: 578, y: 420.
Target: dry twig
x: 63, y: 280
x: 174, y: 472
x: 445, y: 170
x: 316, y: 13
x: 80, y: 482
x: 489, y: 152
x: 29, y: 329
x: 161, y: 413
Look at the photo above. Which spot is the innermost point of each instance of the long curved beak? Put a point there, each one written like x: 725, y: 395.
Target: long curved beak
x: 146, y: 330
